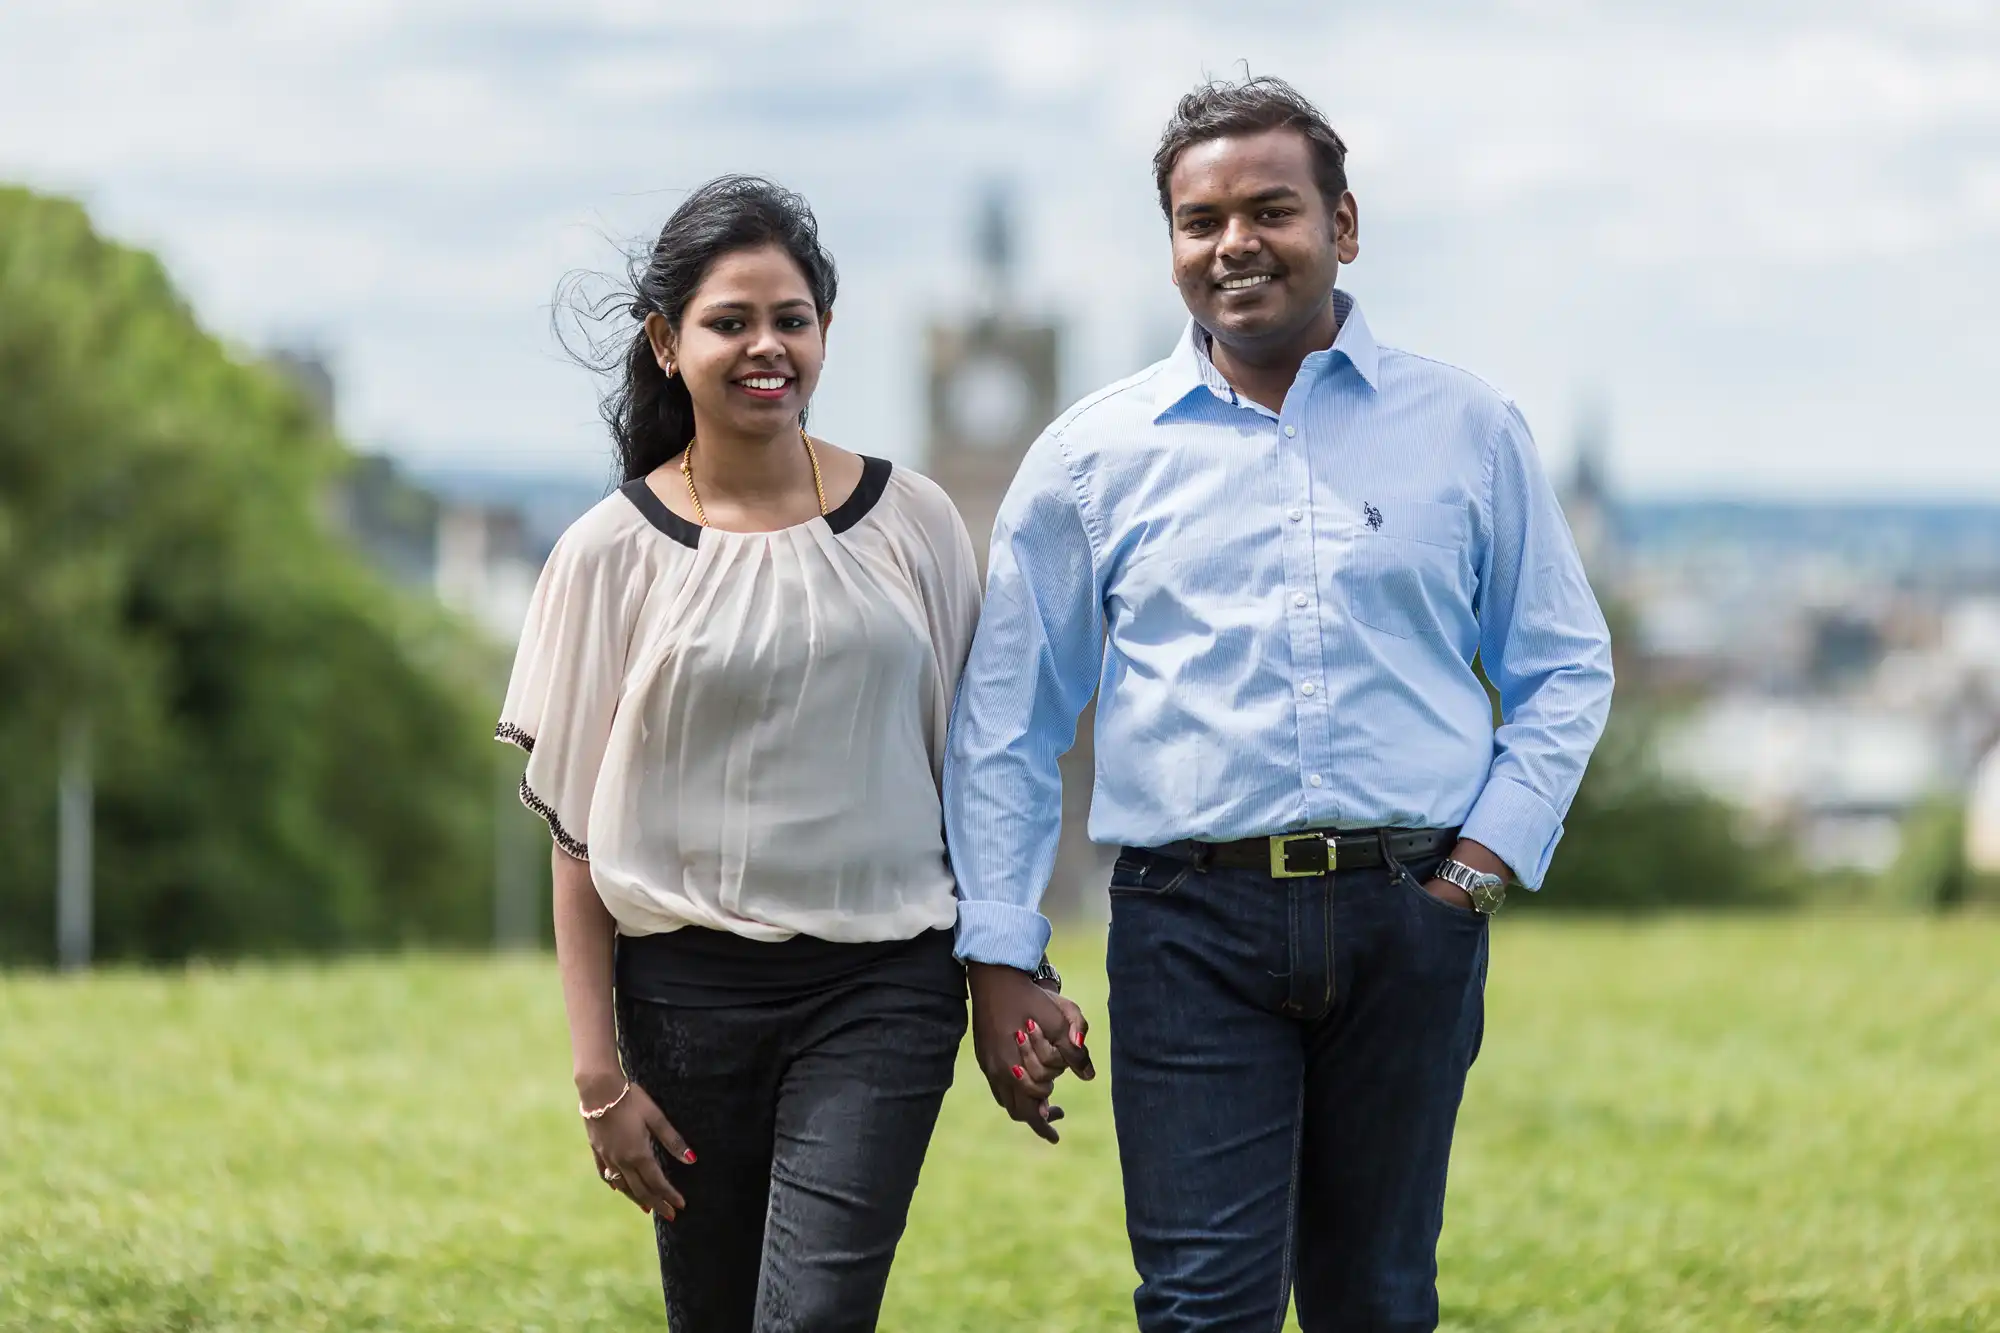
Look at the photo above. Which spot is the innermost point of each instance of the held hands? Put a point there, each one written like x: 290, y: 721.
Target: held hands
x: 1024, y: 1038
x: 621, y: 1145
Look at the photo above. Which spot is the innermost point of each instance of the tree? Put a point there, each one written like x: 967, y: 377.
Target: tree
x: 288, y: 753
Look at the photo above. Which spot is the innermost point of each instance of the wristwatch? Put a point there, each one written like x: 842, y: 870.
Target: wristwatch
x: 1047, y: 977
x: 1486, y: 891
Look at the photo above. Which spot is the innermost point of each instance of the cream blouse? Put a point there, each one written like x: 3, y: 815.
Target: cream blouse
x: 745, y: 730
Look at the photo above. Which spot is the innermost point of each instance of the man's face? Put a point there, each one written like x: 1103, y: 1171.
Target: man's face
x: 1256, y: 249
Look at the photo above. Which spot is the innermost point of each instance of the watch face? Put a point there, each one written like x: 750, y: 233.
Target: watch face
x: 988, y: 399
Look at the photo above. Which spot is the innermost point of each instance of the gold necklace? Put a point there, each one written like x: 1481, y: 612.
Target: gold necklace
x: 687, y: 475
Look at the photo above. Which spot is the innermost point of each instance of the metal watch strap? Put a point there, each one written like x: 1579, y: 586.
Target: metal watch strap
x: 1486, y: 901
x: 1047, y: 977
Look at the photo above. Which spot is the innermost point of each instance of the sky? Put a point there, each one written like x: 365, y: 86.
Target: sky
x: 1762, y: 238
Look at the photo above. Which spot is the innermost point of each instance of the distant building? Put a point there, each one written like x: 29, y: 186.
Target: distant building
x: 992, y: 379
x: 1843, y: 648
x: 1586, y: 499
x: 992, y: 385
x: 476, y: 558
x: 485, y: 567
x: 1838, y: 775
x: 310, y: 371
x: 1982, y: 818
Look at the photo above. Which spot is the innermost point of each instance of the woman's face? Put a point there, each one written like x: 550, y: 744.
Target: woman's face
x: 750, y: 345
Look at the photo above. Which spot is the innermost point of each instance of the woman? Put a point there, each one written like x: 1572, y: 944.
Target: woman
x: 732, y: 688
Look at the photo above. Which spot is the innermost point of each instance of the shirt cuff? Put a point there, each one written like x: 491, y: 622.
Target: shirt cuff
x: 1518, y: 826
x: 990, y: 932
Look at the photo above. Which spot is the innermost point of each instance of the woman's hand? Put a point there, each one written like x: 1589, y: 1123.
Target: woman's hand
x: 1045, y: 1055
x: 1024, y: 1037
x: 621, y: 1147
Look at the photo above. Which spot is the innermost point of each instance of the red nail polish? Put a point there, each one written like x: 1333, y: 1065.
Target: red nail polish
x: 1032, y: 1027
x: 1020, y: 1072
x: 1076, y: 1038
x: 1020, y: 1039
x: 688, y: 1157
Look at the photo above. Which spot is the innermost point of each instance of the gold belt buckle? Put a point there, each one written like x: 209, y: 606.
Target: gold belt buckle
x: 1281, y: 861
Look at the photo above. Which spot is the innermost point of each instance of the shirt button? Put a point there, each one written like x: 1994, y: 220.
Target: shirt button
x: 1316, y: 780
x: 1298, y: 599
x: 1307, y: 688
x: 1295, y: 514
x: 1290, y: 431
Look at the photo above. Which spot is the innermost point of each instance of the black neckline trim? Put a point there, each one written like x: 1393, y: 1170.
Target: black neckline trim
x: 874, y: 481
x: 656, y: 512
x: 867, y: 494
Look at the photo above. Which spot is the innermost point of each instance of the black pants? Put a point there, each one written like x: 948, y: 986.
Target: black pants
x: 809, y: 1119
x: 1286, y: 1063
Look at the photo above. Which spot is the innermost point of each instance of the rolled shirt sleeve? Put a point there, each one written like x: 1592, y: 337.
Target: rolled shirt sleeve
x: 1033, y: 667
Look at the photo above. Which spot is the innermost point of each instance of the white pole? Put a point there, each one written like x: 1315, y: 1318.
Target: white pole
x: 73, y: 847
x: 514, y: 898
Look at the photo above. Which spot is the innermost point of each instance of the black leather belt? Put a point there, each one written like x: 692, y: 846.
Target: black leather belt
x: 1316, y: 852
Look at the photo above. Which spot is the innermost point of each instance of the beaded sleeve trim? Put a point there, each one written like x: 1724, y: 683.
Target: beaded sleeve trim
x: 548, y: 813
x: 514, y: 735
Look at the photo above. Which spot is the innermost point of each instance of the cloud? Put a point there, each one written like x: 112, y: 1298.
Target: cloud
x: 1732, y: 222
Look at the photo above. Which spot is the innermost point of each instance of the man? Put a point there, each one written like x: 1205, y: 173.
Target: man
x: 1274, y: 556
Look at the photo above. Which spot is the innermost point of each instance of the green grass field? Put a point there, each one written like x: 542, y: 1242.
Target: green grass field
x: 1701, y: 1126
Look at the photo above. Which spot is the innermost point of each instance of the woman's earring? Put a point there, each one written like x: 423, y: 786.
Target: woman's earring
x: 670, y: 370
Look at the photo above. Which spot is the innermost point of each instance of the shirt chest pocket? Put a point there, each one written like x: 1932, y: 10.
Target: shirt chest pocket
x: 1408, y: 573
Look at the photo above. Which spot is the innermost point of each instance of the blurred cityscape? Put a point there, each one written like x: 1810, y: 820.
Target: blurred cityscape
x: 1833, y: 667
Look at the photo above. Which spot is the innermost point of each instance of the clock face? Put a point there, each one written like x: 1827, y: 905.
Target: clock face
x: 988, y: 399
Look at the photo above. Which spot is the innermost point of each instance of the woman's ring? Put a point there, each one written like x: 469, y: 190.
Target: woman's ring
x: 610, y: 1176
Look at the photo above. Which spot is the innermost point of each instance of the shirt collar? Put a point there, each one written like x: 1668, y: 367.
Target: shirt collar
x: 1189, y: 367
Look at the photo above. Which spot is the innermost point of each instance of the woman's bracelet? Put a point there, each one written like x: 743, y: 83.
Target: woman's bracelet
x: 601, y: 1111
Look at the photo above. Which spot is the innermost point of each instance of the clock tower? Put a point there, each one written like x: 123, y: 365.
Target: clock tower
x: 992, y: 384
x: 992, y: 389
x: 992, y: 381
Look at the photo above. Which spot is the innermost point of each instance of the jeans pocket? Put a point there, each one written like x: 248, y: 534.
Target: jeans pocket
x: 1414, y: 885
x: 1142, y: 873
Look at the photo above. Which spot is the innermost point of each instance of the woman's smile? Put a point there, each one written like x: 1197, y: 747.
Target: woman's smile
x: 770, y: 388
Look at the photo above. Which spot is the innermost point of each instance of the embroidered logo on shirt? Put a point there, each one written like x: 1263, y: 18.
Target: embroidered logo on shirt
x: 1374, y: 517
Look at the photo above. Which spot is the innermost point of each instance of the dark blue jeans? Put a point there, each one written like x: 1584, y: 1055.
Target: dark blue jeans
x: 1287, y: 1058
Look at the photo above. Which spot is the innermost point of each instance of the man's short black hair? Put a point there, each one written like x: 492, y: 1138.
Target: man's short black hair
x: 1220, y: 109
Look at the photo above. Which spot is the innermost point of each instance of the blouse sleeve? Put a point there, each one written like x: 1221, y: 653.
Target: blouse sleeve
x: 565, y: 686
x: 948, y: 584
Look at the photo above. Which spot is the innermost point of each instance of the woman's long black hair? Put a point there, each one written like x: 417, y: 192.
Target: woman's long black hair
x: 651, y: 416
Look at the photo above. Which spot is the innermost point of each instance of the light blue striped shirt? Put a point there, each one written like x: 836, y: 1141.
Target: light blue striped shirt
x: 1278, y: 614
